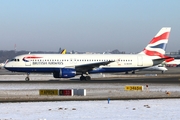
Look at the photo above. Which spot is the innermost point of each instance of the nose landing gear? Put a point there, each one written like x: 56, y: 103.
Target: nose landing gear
x: 27, y: 78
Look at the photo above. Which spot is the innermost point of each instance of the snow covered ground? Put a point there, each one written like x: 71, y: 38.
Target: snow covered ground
x: 158, y: 109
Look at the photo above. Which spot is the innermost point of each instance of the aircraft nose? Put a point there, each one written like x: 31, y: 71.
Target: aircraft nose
x: 6, y: 65
x: 165, y: 69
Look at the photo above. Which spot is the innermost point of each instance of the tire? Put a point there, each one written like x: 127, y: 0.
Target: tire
x: 88, y: 78
x: 27, y: 79
x: 82, y: 78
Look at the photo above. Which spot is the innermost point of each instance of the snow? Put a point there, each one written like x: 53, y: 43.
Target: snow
x: 159, y: 109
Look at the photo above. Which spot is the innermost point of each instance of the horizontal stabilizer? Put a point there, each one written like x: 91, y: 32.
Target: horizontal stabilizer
x: 160, y: 60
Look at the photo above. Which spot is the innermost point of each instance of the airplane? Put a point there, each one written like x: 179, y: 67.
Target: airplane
x: 63, y: 51
x: 152, y: 68
x: 71, y: 65
x: 159, y: 67
x: 174, y: 63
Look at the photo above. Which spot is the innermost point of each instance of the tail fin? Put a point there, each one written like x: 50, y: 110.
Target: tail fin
x: 63, y: 51
x: 157, y: 46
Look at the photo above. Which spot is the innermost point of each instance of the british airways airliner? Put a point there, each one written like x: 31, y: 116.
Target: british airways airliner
x: 70, y: 65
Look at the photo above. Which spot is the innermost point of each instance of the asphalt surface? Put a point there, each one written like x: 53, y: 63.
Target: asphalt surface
x: 165, y: 85
x: 171, y: 76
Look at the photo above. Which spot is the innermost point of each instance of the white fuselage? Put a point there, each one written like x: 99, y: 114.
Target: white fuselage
x: 174, y: 63
x: 51, y: 62
x: 155, y: 68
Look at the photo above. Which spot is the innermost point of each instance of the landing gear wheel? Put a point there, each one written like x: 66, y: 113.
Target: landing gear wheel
x: 27, y: 79
x: 126, y: 72
x: 88, y: 78
x: 82, y: 78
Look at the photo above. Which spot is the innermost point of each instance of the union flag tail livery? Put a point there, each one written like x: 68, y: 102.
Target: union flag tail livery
x: 158, y: 44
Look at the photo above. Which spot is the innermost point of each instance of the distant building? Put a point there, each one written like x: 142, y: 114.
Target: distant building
x: 116, y: 51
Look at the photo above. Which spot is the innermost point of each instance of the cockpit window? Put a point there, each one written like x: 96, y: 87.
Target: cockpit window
x: 16, y: 60
x: 12, y: 59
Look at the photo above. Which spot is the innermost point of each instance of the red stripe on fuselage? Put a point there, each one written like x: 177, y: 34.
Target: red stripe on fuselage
x: 32, y: 57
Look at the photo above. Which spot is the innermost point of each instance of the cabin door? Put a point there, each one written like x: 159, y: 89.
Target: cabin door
x: 28, y: 63
x: 139, y: 61
x: 73, y: 61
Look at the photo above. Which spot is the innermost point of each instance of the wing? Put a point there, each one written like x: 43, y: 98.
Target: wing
x: 88, y: 67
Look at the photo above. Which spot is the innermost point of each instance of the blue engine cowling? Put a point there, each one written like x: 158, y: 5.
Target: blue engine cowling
x: 64, y: 73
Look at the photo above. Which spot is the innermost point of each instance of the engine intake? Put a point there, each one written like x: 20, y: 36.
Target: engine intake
x: 64, y: 73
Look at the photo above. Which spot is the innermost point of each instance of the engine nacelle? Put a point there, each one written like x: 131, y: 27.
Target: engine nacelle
x: 64, y: 73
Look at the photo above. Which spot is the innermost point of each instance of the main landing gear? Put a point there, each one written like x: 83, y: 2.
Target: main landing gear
x: 85, y: 77
x: 27, y: 78
x: 133, y: 72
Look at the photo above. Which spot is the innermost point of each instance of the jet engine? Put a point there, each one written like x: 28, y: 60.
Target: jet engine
x: 64, y: 73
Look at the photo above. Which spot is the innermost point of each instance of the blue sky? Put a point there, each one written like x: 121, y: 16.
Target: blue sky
x: 94, y: 25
